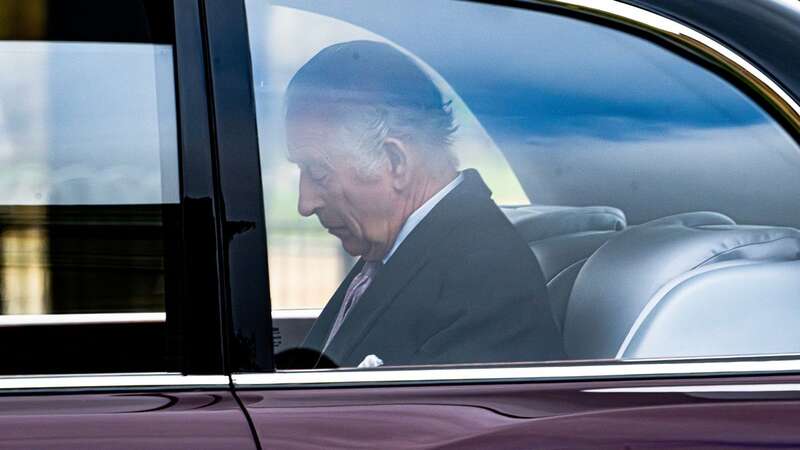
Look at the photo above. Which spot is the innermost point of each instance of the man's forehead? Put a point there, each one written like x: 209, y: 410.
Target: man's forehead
x: 308, y: 130
x: 300, y: 154
x: 310, y: 138
x: 315, y: 120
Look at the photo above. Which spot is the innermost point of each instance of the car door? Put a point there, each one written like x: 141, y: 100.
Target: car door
x: 111, y: 307
x: 650, y: 169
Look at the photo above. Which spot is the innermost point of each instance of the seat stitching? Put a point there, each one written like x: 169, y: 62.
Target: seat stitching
x: 742, y: 246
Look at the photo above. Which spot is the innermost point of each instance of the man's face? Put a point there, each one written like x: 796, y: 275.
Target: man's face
x: 364, y: 214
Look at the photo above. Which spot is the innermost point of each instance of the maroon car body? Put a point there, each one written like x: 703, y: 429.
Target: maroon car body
x: 584, y: 415
x: 208, y: 419
x: 201, y: 373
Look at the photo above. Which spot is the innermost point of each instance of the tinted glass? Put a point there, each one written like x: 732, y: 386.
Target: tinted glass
x: 647, y: 187
x: 89, y: 159
x: 89, y: 190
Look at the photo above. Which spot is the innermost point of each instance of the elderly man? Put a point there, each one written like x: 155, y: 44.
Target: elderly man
x: 443, y: 277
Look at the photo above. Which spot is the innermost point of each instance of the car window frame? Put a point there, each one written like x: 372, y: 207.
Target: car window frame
x: 687, y: 41
x: 195, y: 312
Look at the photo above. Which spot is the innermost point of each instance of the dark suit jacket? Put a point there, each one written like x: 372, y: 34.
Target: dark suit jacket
x: 463, y: 287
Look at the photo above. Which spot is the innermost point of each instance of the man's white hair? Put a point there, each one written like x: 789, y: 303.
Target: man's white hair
x: 371, y: 92
x: 366, y: 127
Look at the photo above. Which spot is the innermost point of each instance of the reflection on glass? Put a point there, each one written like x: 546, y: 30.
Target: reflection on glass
x: 88, y: 170
x: 573, y: 91
x: 298, y: 245
x: 97, y: 124
x: 657, y: 196
x: 26, y: 283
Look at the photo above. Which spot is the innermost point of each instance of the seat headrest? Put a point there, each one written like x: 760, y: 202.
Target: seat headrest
x: 619, y: 279
x: 539, y: 222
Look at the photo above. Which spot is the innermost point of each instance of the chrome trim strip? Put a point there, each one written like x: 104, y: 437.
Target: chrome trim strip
x: 692, y: 40
x: 505, y: 374
x: 106, y: 381
x: 79, y: 319
x: 789, y: 387
x: 295, y: 313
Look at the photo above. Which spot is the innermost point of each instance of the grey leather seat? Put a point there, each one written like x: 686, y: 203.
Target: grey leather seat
x: 693, y: 284
x: 562, y: 237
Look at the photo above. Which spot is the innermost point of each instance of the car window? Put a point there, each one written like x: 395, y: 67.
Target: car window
x: 89, y: 192
x: 561, y: 190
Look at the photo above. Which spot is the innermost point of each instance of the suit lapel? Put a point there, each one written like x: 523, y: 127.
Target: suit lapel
x: 412, y: 255
x: 384, y: 288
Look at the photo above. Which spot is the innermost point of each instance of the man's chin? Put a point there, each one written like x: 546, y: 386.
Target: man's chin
x: 353, y: 247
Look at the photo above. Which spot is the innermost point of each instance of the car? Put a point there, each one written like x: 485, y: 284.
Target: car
x: 157, y: 282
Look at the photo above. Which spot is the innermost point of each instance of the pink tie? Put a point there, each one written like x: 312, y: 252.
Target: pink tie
x: 354, y: 292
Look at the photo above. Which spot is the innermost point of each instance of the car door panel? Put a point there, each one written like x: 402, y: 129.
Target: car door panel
x: 110, y: 301
x: 727, y: 413
x: 168, y: 420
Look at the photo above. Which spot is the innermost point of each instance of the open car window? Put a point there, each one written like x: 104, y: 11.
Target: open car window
x: 656, y: 200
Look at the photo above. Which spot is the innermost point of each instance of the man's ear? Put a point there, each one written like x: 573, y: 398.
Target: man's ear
x: 399, y: 162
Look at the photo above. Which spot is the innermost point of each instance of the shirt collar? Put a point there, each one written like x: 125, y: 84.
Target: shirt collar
x: 420, y: 213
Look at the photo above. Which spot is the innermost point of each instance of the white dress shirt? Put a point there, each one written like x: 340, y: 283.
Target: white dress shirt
x: 416, y: 217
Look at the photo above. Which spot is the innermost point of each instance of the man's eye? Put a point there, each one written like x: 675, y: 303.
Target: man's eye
x: 317, y: 174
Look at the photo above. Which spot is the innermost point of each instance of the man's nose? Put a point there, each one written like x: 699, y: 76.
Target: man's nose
x: 308, y: 200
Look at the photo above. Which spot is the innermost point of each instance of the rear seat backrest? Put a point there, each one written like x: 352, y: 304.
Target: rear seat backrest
x: 617, y: 283
x: 562, y: 237
x: 728, y: 308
